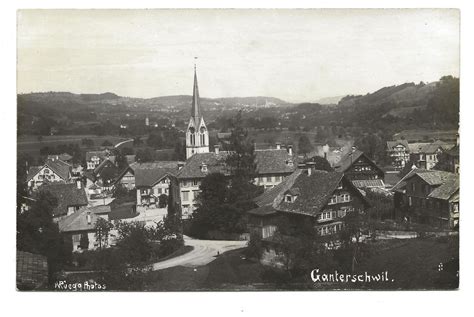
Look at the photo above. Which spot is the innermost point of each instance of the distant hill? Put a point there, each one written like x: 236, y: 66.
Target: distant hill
x: 330, y: 100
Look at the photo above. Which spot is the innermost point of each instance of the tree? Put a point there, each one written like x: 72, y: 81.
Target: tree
x: 372, y: 145
x: 321, y: 163
x: 304, y: 145
x: 155, y: 140
x: 102, y: 231
x: 37, y: 233
x: 350, y: 236
x: 214, y: 190
x: 162, y: 201
x: 107, y: 143
x: 444, y: 163
x: 145, y: 155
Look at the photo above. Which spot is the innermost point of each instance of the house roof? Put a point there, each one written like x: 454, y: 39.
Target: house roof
x: 263, y: 211
x: 78, y: 221
x: 315, y: 190
x: 101, y: 154
x: 101, y: 209
x: 350, y: 158
x: 63, y: 157
x: 429, y: 148
x: 31, y: 270
x: 447, y: 189
x: 105, y: 163
x: 369, y: 183
x: 216, y: 163
x: 130, y: 158
x: 433, y: 177
x: 60, y: 168
x: 454, y: 151
x: 392, y: 144
x: 271, y: 194
x: 148, y: 174
x: 273, y: 161
x: 270, y: 161
x: 66, y: 195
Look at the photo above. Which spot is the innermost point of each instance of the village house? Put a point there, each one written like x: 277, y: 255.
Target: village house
x: 425, y: 155
x: 308, y: 195
x: 80, y: 227
x: 126, y: 177
x: 429, y: 197
x: 70, y: 198
x: 361, y: 170
x: 272, y: 166
x: 94, y: 158
x: 153, y: 180
x: 399, y: 153
x: 65, y: 157
x: 52, y: 171
x: 453, y: 159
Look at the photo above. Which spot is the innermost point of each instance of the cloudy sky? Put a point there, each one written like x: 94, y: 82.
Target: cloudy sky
x: 296, y: 55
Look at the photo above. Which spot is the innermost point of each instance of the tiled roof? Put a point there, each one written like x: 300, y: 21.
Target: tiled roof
x: 434, y: 177
x: 271, y: 194
x: 314, y: 193
x: 392, y: 144
x: 31, y: 270
x: 63, y: 157
x: 32, y: 171
x: 66, y: 195
x: 446, y: 190
x: 271, y: 161
x: 369, y: 183
x: 60, y: 168
x: 429, y: 148
x: 105, y: 163
x: 263, y: 210
x: 216, y: 163
x: 148, y: 174
x: 417, y: 147
x: 391, y: 179
x: 101, y: 209
x: 400, y: 185
x: 454, y: 151
x: 78, y: 221
x: 101, y: 154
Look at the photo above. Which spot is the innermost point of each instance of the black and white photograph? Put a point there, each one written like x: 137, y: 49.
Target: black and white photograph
x: 192, y: 150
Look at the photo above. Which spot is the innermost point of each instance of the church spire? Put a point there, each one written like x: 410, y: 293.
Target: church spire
x: 195, y: 110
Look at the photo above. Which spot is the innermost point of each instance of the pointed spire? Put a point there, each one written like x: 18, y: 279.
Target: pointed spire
x: 195, y: 110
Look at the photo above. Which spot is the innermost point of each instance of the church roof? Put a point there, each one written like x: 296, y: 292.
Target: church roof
x: 195, y: 109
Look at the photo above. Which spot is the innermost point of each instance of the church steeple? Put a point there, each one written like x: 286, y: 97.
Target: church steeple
x: 197, y: 136
x: 195, y: 109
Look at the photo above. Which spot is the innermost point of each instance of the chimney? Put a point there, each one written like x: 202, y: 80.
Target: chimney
x: 310, y: 166
x: 216, y: 148
x: 79, y: 184
x: 278, y: 145
x: 89, y: 218
x: 290, y: 149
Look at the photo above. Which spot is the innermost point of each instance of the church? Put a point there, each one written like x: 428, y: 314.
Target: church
x: 273, y: 165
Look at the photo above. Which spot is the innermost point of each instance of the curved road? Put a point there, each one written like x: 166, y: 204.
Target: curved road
x: 204, y: 252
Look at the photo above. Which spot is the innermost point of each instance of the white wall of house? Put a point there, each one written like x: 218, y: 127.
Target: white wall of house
x: 44, y: 174
x: 268, y: 181
x: 149, y: 195
x: 189, y: 191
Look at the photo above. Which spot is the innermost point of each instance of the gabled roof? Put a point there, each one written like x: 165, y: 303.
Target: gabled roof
x: 314, y: 190
x: 350, y: 158
x: 78, y: 221
x: 105, y: 163
x: 454, y: 151
x: 271, y: 161
x: 216, y: 163
x: 271, y: 194
x: 392, y: 144
x: 66, y: 195
x: 446, y: 190
x: 148, y: 174
x: 63, y: 157
x: 433, y: 177
x: 60, y: 168
x: 100, y: 154
x: 101, y: 209
x: 429, y: 148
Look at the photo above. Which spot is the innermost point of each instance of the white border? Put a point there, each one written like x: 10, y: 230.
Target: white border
x: 229, y: 304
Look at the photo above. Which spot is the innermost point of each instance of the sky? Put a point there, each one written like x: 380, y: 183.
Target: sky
x: 296, y: 55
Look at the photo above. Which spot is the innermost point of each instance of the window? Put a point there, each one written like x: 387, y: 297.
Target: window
x: 333, y: 200
x: 455, y: 208
x: 277, y: 178
x: 160, y: 191
x: 195, y: 183
x: 409, y: 201
x: 346, y: 197
x: 269, y: 178
x: 288, y: 198
x: 46, y: 171
x: 186, y: 196
x: 413, y: 187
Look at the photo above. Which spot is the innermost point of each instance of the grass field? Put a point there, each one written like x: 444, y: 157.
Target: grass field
x: 31, y: 145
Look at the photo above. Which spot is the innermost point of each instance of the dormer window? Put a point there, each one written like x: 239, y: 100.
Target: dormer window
x: 289, y: 162
x: 204, y: 168
x: 288, y: 198
x: 291, y: 195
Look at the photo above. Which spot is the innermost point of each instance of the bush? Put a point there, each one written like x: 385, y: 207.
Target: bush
x: 169, y: 246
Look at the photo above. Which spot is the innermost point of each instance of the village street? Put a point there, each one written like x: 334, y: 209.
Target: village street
x: 204, y: 252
